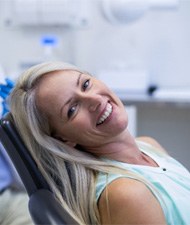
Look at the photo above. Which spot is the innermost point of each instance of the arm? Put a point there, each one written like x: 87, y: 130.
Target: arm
x: 152, y: 142
x: 127, y: 201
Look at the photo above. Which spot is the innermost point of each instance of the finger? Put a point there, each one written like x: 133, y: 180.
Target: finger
x: 9, y: 82
x: 5, y: 89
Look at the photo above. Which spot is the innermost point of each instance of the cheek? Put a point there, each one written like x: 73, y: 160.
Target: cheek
x: 81, y: 122
x: 76, y: 129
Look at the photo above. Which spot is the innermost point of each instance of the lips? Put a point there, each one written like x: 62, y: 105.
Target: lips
x: 105, y: 115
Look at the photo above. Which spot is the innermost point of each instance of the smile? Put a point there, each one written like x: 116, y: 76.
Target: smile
x: 106, y: 114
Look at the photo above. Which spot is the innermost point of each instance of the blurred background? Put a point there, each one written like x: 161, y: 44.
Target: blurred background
x: 140, y: 48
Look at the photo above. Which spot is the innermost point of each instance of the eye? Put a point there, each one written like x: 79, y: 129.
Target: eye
x: 85, y: 84
x: 71, y: 111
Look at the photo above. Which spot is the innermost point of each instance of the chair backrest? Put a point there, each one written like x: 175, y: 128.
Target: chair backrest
x: 43, y: 206
x: 20, y: 156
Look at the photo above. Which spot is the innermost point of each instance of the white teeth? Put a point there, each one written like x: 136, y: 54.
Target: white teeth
x: 106, y: 114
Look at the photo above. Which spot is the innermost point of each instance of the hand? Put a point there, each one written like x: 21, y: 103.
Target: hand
x: 5, y: 90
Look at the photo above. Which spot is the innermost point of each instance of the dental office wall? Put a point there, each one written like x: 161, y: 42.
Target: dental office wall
x: 158, y: 43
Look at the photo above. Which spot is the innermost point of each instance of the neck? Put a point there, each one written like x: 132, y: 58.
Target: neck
x: 123, y: 148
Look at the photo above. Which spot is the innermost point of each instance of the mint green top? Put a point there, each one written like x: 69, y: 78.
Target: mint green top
x: 170, y: 178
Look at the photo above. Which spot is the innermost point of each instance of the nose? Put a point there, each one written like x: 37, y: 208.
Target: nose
x: 92, y: 101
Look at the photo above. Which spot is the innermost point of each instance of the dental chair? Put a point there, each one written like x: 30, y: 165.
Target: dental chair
x: 43, y: 207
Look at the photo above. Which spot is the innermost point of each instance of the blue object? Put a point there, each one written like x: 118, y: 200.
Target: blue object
x: 49, y: 40
x: 5, y: 90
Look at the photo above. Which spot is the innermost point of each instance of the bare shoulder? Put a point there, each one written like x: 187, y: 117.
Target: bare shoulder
x: 128, y: 201
x: 152, y: 142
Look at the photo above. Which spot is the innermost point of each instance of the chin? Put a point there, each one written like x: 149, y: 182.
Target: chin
x: 123, y: 125
x: 123, y: 120
x: 120, y: 126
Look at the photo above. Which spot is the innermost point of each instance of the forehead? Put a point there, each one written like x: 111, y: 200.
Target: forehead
x: 54, y: 78
x: 53, y: 85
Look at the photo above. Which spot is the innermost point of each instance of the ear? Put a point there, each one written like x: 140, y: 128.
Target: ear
x: 71, y: 144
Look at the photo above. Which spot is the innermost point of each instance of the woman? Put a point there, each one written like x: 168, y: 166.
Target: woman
x: 76, y: 130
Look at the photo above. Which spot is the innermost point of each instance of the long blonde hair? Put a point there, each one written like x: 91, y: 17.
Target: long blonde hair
x: 71, y: 173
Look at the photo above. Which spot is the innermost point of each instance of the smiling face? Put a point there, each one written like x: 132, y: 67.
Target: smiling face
x: 81, y: 109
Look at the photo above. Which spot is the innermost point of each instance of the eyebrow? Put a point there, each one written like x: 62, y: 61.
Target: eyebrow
x: 69, y: 100
x: 78, y: 80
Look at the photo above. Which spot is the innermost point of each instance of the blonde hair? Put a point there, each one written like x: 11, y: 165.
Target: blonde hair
x: 71, y: 173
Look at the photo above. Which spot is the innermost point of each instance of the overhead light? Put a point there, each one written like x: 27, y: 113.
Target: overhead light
x: 125, y: 11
